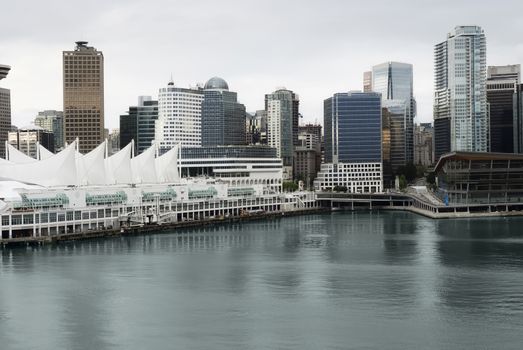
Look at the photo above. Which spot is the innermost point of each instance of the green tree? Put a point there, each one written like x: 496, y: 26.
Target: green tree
x: 403, y: 182
x: 289, y: 186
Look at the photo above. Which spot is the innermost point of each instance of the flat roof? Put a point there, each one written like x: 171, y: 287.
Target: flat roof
x: 459, y: 155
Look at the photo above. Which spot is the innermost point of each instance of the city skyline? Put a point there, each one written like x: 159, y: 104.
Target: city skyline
x: 327, y: 52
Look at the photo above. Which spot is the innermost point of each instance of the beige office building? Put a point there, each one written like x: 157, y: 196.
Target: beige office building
x: 83, y: 72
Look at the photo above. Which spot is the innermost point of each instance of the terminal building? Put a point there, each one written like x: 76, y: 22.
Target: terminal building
x: 70, y: 192
x: 471, y: 178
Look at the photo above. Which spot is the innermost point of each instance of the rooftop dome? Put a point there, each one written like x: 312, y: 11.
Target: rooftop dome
x: 216, y: 83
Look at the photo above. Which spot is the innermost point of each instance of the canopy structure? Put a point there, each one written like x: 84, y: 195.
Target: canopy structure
x: 16, y: 156
x: 43, y: 153
x: 71, y: 168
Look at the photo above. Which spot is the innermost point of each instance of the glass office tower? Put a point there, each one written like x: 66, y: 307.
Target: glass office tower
x: 353, y: 127
x: 223, y: 118
x: 394, y: 81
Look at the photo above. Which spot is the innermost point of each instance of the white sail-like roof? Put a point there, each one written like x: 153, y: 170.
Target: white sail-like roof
x: 58, y: 170
x: 167, y: 166
x: 44, y: 152
x: 17, y: 156
x: 143, y: 166
x: 91, y: 166
x: 118, y: 166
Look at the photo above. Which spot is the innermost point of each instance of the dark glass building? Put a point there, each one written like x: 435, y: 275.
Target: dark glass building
x: 441, y: 136
x: 139, y: 124
x: 502, y: 83
x: 352, y: 123
x: 223, y: 118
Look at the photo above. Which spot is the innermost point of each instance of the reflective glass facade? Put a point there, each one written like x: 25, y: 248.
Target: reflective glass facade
x: 353, y: 128
x: 139, y: 125
x: 223, y: 119
x: 394, y: 81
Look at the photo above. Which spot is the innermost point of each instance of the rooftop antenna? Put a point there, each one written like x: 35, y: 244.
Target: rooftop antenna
x: 171, y: 82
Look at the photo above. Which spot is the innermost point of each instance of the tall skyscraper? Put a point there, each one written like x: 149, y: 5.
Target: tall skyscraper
x: 502, y: 84
x: 394, y: 81
x: 139, y: 124
x: 223, y: 118
x: 353, y: 143
x: 54, y: 122
x: 367, y: 81
x: 179, y: 117
x: 5, y: 110
x: 461, y: 118
x: 282, y: 108
x: 83, y: 72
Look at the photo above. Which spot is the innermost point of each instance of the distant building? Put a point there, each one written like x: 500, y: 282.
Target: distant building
x: 353, y: 143
x: 223, y: 118
x: 113, y: 141
x: 282, y: 108
x: 26, y: 139
x: 83, y: 74
x: 139, y: 124
x: 307, y: 155
x: 367, y: 81
x: 256, y: 128
x: 461, y: 119
x: 52, y: 121
x: 394, y: 81
x: 5, y: 110
x: 423, y: 144
x: 502, y: 86
x: 393, y: 139
x: 179, y: 117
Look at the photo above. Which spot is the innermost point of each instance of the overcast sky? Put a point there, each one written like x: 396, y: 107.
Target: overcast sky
x: 315, y: 48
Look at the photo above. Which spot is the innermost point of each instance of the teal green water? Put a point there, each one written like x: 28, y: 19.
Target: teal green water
x: 384, y: 280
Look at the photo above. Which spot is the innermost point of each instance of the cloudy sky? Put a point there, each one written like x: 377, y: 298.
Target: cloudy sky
x: 315, y: 48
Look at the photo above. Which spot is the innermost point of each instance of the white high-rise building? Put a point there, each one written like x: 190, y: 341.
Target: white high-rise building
x: 461, y: 117
x: 282, y: 107
x: 179, y: 117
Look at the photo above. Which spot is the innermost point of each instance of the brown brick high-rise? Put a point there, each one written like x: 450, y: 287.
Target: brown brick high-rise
x: 83, y: 72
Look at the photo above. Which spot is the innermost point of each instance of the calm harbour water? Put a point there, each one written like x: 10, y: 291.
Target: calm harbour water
x: 383, y: 280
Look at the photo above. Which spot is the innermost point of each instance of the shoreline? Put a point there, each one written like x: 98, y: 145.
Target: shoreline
x: 149, y: 229
x: 158, y: 229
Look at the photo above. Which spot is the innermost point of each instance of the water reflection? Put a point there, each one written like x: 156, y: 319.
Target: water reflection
x: 315, y: 281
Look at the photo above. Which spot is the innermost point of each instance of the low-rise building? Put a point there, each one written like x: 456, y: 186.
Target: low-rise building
x: 480, y: 178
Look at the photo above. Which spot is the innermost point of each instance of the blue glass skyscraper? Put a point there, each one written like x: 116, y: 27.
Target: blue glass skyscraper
x: 352, y: 123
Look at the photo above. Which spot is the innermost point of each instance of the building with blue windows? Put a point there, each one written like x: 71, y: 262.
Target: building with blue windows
x: 223, y: 118
x: 353, y: 143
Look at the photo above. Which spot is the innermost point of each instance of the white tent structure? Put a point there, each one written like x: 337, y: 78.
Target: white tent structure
x: 90, y: 167
x: 118, y: 166
x: 16, y: 156
x: 59, y: 170
x: 143, y: 166
x: 43, y: 153
x: 71, y: 168
x: 167, y: 166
